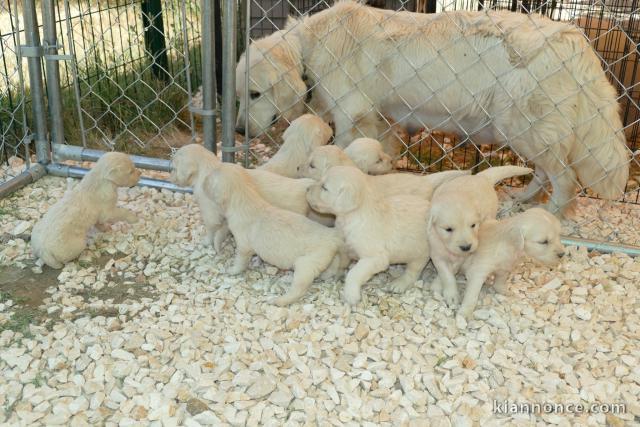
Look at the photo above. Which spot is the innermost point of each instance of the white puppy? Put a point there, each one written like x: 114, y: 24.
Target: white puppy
x: 299, y: 139
x: 504, y: 244
x: 380, y: 230
x: 192, y: 163
x: 60, y: 235
x: 392, y: 184
x: 369, y: 156
x: 282, y: 238
x: 458, y: 207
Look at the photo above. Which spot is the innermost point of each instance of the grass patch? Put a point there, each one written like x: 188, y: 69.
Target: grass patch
x: 20, y: 322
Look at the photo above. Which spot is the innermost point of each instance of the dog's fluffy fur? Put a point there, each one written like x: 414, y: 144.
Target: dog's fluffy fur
x: 503, y: 244
x: 282, y: 238
x: 379, y: 230
x: 303, y: 135
x: 538, y: 81
x: 458, y: 207
x: 192, y: 163
x: 392, y: 184
x: 369, y: 156
x: 60, y: 235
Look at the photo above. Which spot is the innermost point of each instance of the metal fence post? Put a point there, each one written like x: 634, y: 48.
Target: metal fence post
x: 33, y: 51
x: 154, y: 41
x: 208, y: 76
x: 229, y: 81
x: 54, y: 99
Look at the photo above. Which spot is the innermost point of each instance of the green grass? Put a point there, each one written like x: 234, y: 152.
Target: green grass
x: 122, y: 104
x: 20, y: 322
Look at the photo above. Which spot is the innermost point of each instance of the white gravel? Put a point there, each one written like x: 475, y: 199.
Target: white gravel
x: 203, y: 348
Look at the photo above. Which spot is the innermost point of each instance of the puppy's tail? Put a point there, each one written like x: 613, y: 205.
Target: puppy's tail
x: 439, y: 178
x: 600, y: 157
x: 496, y: 174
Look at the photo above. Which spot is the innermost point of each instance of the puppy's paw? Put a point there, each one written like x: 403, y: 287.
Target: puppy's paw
x: 436, y: 286
x: 103, y: 227
x: 351, y: 296
x: 450, y: 296
x: 236, y: 269
x: 502, y: 289
x: 282, y: 301
x: 466, y: 311
x: 131, y: 218
x: 399, y: 286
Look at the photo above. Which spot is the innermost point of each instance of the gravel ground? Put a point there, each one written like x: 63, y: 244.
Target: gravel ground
x: 147, y: 328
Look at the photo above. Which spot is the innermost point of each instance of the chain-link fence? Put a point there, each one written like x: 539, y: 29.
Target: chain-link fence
x: 443, y: 113
x: 13, y: 127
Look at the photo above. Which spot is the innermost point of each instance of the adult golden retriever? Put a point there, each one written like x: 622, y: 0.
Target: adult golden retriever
x: 498, y: 77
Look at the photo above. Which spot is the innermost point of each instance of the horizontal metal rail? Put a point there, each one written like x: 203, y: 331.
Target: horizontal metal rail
x: 81, y: 154
x: 31, y: 175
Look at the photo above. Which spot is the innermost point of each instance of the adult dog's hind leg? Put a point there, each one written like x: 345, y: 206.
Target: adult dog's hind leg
x: 535, y: 186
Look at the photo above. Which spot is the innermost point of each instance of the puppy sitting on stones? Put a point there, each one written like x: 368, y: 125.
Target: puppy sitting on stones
x: 282, y: 238
x: 303, y: 135
x: 192, y: 163
x: 61, y: 234
x: 503, y: 244
x: 458, y: 207
x: 379, y: 230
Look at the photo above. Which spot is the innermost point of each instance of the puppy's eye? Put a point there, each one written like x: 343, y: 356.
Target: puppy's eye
x: 324, y: 188
x: 473, y: 225
x: 312, y: 166
x: 448, y: 230
x: 544, y: 242
x: 379, y: 161
x: 254, y: 95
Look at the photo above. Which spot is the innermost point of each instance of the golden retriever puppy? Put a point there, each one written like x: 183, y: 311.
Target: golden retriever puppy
x: 300, y: 138
x: 458, y: 207
x: 192, y: 163
x: 281, y: 238
x: 369, y: 156
x: 504, y: 244
x: 392, y: 184
x: 379, y: 230
x: 60, y: 235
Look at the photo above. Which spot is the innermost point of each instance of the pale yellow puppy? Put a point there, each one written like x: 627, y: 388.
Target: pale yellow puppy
x: 379, y: 230
x: 192, y: 163
x: 369, y: 156
x: 303, y: 135
x: 281, y: 238
x: 61, y: 234
x: 503, y: 244
x: 458, y: 207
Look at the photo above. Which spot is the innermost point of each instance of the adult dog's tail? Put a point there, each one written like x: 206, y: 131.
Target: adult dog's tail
x: 498, y: 173
x: 600, y: 157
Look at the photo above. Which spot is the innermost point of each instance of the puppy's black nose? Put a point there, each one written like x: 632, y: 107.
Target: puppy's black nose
x: 560, y: 254
x: 465, y: 248
x: 240, y: 130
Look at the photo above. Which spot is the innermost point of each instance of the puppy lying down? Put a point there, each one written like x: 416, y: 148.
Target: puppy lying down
x: 299, y: 139
x: 503, y: 244
x: 282, y: 238
x: 380, y: 230
x: 458, y: 207
x: 61, y: 234
x: 192, y: 163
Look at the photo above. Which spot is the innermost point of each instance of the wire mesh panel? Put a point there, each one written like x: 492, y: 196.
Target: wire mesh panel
x: 129, y: 83
x: 462, y: 90
x: 14, y: 140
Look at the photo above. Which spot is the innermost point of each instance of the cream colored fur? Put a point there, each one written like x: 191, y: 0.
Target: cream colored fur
x: 379, y: 230
x: 458, y: 208
x: 192, y: 163
x: 280, y: 237
x: 503, y: 77
x: 299, y: 139
x: 534, y: 233
x: 369, y: 156
x: 60, y: 235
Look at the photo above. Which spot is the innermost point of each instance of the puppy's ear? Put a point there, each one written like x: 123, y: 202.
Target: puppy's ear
x: 114, y: 173
x: 347, y: 199
x: 214, y: 188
